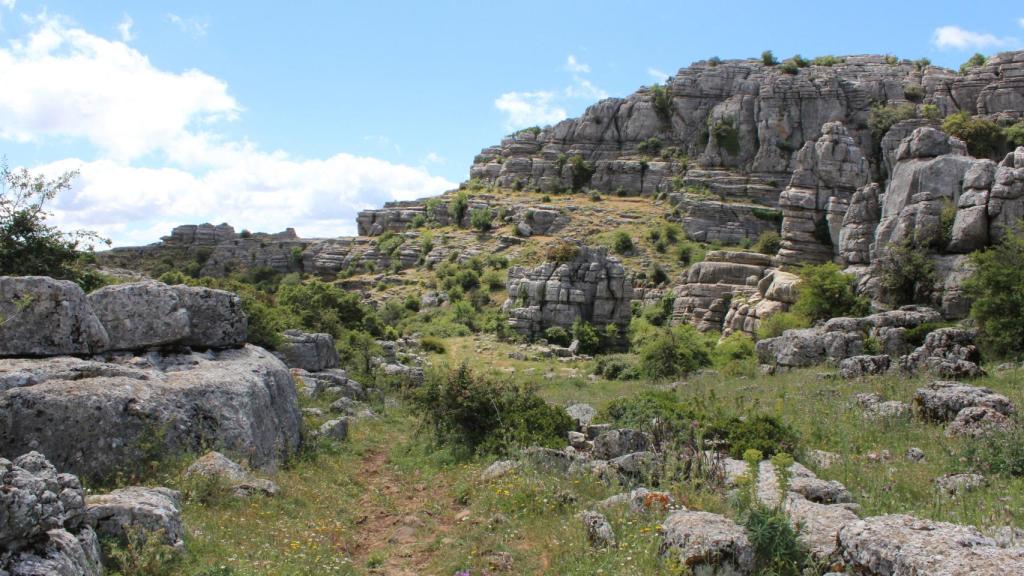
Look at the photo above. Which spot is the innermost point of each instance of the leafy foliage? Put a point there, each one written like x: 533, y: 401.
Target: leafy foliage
x: 768, y: 242
x: 769, y: 59
x: 589, y: 339
x: 983, y: 137
x: 999, y: 453
x: 662, y: 100
x: 727, y: 135
x: 485, y: 416
x: 622, y: 243
x: 481, y: 218
x: 778, y: 323
x: 997, y: 290
x: 28, y: 245
x: 826, y: 292
x: 674, y: 352
x: 457, y: 208
x: 881, y: 118
x: 974, y: 61
x: 907, y: 274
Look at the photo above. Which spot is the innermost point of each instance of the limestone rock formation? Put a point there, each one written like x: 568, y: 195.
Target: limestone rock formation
x: 214, y: 466
x: 139, y: 510
x: 591, y: 286
x: 947, y: 353
x: 899, y: 544
x: 707, y: 543
x: 942, y: 401
x: 310, y: 352
x: 28, y: 303
x: 95, y: 417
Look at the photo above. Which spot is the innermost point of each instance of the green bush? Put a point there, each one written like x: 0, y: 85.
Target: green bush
x: 736, y: 348
x: 906, y: 274
x: 617, y: 367
x: 481, y: 218
x: 457, y: 208
x: 388, y: 243
x: 913, y: 92
x: 777, y: 548
x: 1014, y: 134
x: 931, y: 112
x: 589, y: 339
x: 768, y: 242
x: 881, y: 118
x: 790, y: 67
x: 558, y: 336
x: 827, y: 60
x: 674, y: 352
x: 493, y: 279
x: 974, y: 61
x: 768, y: 59
x: 658, y: 275
x: 984, y: 138
x: 561, y: 251
x: 433, y: 344
x: 800, y: 61
x: 761, y: 432
x: 479, y: 415
x: 727, y: 135
x: 662, y: 100
x: 582, y: 172
x: 1000, y: 453
x: 997, y: 290
x: 622, y: 243
x: 322, y: 307
x: 638, y: 411
x: 659, y: 313
x: 649, y: 147
x: 915, y: 336
x: 826, y: 292
x: 778, y: 323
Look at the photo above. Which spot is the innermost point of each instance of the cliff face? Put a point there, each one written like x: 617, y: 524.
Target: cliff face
x: 740, y: 115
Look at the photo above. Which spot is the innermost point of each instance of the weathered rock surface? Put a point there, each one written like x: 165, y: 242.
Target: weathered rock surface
x: 978, y: 421
x: 864, y: 365
x: 707, y: 543
x: 592, y: 286
x: 214, y: 466
x: 94, y: 418
x: 615, y: 443
x: 900, y: 545
x: 947, y: 353
x: 40, y: 316
x: 137, y: 509
x: 582, y: 414
x: 310, y: 352
x: 599, y: 531
x: 942, y: 401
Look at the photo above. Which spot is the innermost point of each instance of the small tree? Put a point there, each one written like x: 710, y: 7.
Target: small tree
x: 622, y: 243
x: 997, y: 288
x: 481, y: 218
x: 907, y: 274
x: 674, y: 352
x: 768, y: 59
x: 825, y: 292
x: 984, y: 138
x: 973, y: 62
x: 457, y: 208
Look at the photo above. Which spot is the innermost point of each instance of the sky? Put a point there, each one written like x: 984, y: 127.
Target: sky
x: 269, y: 115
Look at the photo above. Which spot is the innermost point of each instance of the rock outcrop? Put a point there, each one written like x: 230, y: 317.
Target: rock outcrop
x: 707, y: 543
x: 309, y: 352
x: 137, y: 512
x: 40, y: 316
x: 589, y: 285
x: 942, y: 401
x: 96, y: 417
x: 947, y: 353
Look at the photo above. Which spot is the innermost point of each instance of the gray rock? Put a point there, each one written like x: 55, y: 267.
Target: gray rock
x: 599, y: 531
x: 902, y: 545
x: 336, y: 429
x: 582, y: 414
x: 615, y: 443
x: 497, y: 470
x: 915, y: 454
x: 947, y: 353
x: 60, y: 553
x: 707, y: 543
x: 820, y: 491
x: 978, y: 421
x: 548, y: 460
x: 138, y: 511
x: 955, y: 484
x: 95, y: 418
x: 942, y: 401
x: 310, y: 352
x: 214, y: 466
x: 40, y: 316
x: 819, y: 524
x: 637, y: 467
x: 864, y: 365
x: 216, y: 318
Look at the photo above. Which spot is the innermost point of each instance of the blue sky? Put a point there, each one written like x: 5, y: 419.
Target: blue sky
x: 269, y: 115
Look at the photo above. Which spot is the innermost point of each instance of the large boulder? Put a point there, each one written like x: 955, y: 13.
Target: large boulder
x: 707, y: 543
x: 41, y: 521
x: 947, y: 353
x: 615, y: 443
x: 149, y: 314
x: 40, y: 316
x: 942, y: 401
x: 900, y: 545
x: 137, y: 512
x: 218, y: 468
x: 95, y: 418
x: 310, y: 352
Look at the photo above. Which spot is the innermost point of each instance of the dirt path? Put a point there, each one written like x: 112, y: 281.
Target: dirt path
x: 402, y: 517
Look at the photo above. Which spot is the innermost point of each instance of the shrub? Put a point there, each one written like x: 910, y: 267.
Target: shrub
x: 493, y: 279
x: 388, y: 243
x: 28, y: 245
x: 922, y: 63
x: 418, y: 221
x: 674, y: 352
x: 558, y: 336
x: 881, y: 118
x: 913, y: 92
x: 906, y: 274
x: 481, y: 218
x: 931, y: 112
x: 726, y: 135
x: 649, y: 147
x: 997, y: 289
x: 322, y: 307
x: 658, y: 275
x: 433, y: 344
x: 622, y: 243
x: 714, y: 61
x: 768, y: 242
x: 457, y: 208
x: 662, y: 100
x: 582, y: 172
x: 826, y: 292
x: 768, y: 59
x: 617, y: 367
x: 915, y: 336
x: 790, y: 67
x: 561, y: 251
x: 777, y: 550
x: 659, y: 313
x: 761, y: 432
x: 800, y: 61
x: 891, y: 60
x: 142, y: 554
x: 589, y: 339
x: 1014, y: 134
x: 595, y: 196
x: 974, y: 61
x: 734, y: 348
x: 827, y: 60
x: 983, y: 137
x: 778, y: 323
x: 483, y: 416
x: 638, y: 411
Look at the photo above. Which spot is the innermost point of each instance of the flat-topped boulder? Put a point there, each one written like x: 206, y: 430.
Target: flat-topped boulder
x: 942, y: 401
x: 95, y: 418
x: 901, y: 545
x: 707, y: 543
x: 40, y: 316
x: 310, y: 352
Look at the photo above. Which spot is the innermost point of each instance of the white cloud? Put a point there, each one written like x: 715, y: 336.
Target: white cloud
x: 74, y: 85
x: 191, y: 26
x: 576, y: 67
x: 1021, y: 22
x: 9, y: 4
x: 524, y: 109
x: 125, y: 29
x: 657, y: 74
x: 433, y: 158
x: 584, y: 89
x: 960, y: 39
